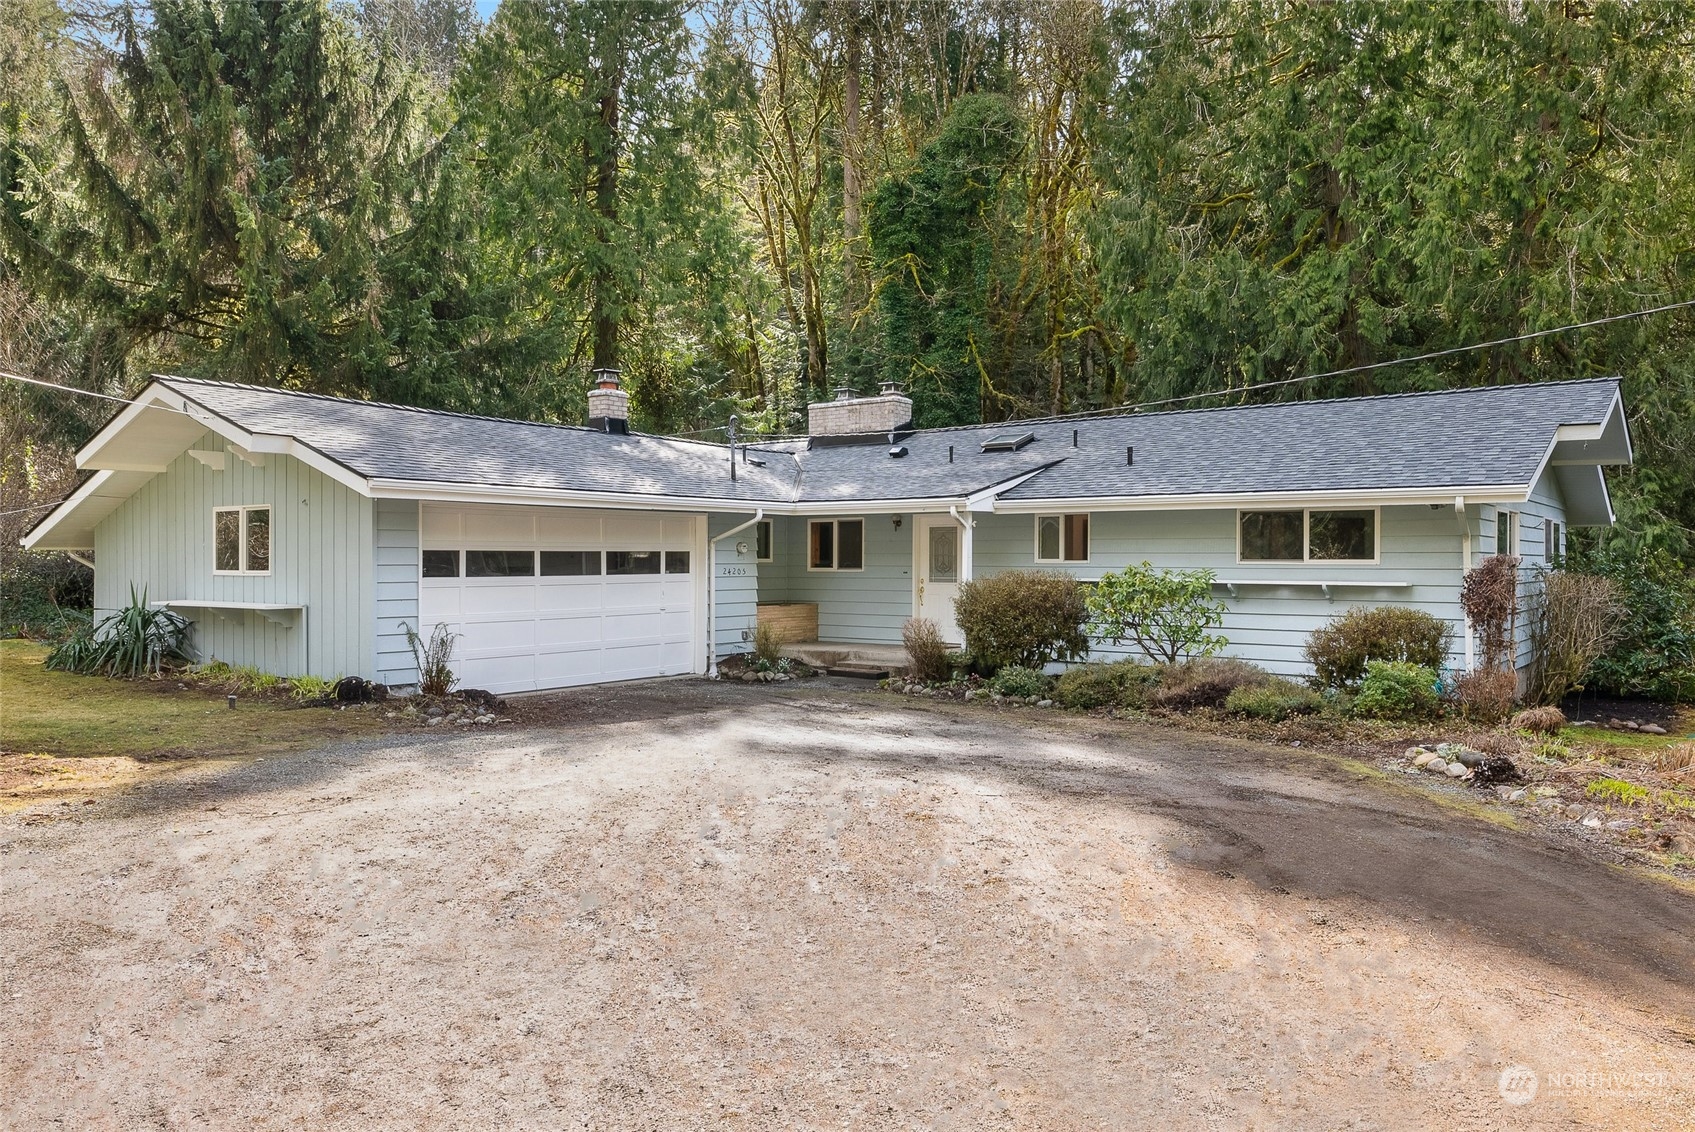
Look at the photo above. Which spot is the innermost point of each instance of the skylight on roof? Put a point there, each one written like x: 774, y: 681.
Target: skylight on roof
x: 1008, y: 441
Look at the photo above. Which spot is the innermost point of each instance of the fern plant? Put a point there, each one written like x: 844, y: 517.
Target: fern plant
x: 435, y: 677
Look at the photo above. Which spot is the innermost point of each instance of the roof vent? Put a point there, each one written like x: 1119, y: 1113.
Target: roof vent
x: 897, y: 452
x: 1008, y: 441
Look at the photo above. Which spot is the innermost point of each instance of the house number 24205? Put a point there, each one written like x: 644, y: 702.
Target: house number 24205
x: 733, y: 571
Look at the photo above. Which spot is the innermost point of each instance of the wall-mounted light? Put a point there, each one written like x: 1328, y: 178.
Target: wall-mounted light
x: 741, y: 548
x: 897, y: 522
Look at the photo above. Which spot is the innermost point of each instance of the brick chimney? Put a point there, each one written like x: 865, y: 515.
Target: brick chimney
x: 609, y: 406
x: 870, y: 417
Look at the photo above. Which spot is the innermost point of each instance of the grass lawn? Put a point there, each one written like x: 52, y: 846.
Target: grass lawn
x: 68, y: 717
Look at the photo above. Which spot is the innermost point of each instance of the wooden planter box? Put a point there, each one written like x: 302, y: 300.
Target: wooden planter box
x: 795, y: 621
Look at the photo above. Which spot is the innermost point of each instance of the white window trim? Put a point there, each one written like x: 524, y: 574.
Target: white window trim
x: 242, y: 536
x: 1514, y: 541
x: 1036, y: 534
x: 1306, y: 558
x: 836, y: 545
x: 770, y: 542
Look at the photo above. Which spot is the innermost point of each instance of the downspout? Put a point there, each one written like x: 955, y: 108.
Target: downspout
x: 1465, y: 565
x: 964, y: 521
x: 712, y: 589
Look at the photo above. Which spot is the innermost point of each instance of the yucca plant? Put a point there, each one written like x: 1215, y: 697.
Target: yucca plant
x: 136, y: 639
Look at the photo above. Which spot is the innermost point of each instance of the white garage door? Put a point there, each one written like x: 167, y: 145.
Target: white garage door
x: 550, y: 597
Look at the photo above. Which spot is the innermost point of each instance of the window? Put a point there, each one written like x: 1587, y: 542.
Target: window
x: 1307, y: 536
x: 500, y: 563
x: 1342, y: 536
x: 441, y: 563
x: 835, y: 544
x: 676, y: 562
x: 1506, y: 532
x: 622, y: 563
x: 1552, y: 551
x: 1272, y: 536
x: 570, y: 563
x: 241, y: 540
x: 1062, y: 538
x: 762, y: 540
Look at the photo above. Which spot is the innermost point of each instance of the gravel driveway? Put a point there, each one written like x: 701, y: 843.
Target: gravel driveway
x: 688, y: 905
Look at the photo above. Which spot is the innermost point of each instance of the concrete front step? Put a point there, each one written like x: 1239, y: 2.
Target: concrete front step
x: 859, y: 671
x: 831, y: 655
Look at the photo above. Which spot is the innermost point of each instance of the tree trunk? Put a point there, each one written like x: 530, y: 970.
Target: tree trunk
x: 604, y: 313
x: 851, y: 188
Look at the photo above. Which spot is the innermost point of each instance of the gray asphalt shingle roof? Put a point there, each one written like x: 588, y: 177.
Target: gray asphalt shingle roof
x: 1455, y: 438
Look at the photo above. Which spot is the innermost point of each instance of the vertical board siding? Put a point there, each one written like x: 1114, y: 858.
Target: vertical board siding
x: 160, y: 540
x: 866, y: 606
x: 395, y: 578
x: 736, y: 581
x: 1546, y: 504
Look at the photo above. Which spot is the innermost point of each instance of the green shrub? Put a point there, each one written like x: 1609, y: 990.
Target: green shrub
x: 1396, y: 689
x: 1340, y: 650
x: 1617, y: 790
x: 305, y: 688
x: 767, y: 643
x: 960, y: 663
x: 42, y: 593
x: 135, y: 640
x: 1025, y: 617
x: 1165, y: 613
x: 1653, y: 654
x: 1123, y: 682
x: 926, y: 652
x: 226, y: 677
x: 1276, y: 700
x: 1016, y: 680
x: 1206, y: 682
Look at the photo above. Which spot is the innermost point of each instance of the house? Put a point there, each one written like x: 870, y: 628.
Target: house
x: 304, y: 534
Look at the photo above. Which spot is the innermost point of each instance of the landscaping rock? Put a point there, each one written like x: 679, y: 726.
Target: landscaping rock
x: 1591, y: 821
x: 1517, y: 795
x: 1437, y: 765
x: 435, y: 711
x: 972, y: 693
x: 1621, y: 824
x: 749, y: 677
x: 1458, y: 770
x: 1652, y: 729
x: 1574, y: 812
x: 1683, y: 843
x: 1421, y: 758
x: 1460, y: 753
x: 1044, y: 703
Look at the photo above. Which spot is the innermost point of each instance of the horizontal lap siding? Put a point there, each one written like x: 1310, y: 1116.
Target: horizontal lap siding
x: 395, y: 538
x: 867, y: 606
x: 160, y: 540
x: 736, y: 580
x: 1265, y: 625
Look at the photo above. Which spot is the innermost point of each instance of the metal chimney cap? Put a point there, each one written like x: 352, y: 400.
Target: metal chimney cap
x: 888, y: 388
x: 844, y: 393
x: 606, y: 377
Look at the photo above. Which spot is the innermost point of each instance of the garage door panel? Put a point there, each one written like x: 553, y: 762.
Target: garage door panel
x: 518, y: 634
x: 498, y: 598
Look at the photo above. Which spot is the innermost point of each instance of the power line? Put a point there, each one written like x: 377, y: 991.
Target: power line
x: 1372, y: 366
x: 90, y: 393
x: 27, y: 510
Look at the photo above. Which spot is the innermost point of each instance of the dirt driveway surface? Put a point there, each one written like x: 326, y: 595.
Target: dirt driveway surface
x: 686, y: 905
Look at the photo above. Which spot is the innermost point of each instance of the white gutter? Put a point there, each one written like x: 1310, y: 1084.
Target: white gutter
x: 712, y: 590
x: 1383, y: 497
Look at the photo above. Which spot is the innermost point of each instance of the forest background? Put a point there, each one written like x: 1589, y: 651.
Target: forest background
x: 1013, y: 208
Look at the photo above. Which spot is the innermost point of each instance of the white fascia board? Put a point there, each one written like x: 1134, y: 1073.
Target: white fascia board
x: 985, y: 500
x: 435, y: 491
x: 159, y: 395
x: 63, y: 511
x: 1615, y: 421
x: 1388, y: 497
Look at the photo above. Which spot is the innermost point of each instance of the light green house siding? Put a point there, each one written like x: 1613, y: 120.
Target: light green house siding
x: 866, y: 606
x: 160, y: 540
x: 736, y: 579
x: 395, y: 578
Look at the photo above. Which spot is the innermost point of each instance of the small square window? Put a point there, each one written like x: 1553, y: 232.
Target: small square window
x: 1062, y: 538
x: 241, y: 540
x: 441, y: 563
x: 676, y: 562
x: 1342, y: 536
x: 570, y: 563
x: 835, y: 544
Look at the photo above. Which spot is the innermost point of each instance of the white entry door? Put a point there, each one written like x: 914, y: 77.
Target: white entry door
x: 545, y: 597
x: 936, y: 566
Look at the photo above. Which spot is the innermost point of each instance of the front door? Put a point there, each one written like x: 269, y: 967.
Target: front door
x: 935, y: 549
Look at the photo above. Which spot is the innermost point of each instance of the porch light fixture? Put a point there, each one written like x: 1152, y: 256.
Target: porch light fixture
x: 897, y: 522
